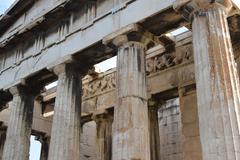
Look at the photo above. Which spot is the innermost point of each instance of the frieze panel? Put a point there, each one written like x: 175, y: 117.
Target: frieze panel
x: 100, y: 85
x: 183, y: 54
x: 106, y: 83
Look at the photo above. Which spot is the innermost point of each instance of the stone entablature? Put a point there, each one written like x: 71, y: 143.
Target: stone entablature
x: 157, y: 60
x: 182, y: 55
x: 104, y: 83
x: 99, y: 91
x: 63, y: 39
x: 89, y: 11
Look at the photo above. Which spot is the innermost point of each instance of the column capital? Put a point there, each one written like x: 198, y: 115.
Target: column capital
x: 68, y: 68
x: 64, y: 68
x: 67, y: 111
x: 25, y: 89
x: 130, y: 33
x: 70, y: 64
x: 190, y: 7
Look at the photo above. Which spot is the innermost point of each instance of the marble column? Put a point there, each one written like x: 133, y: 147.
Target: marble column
x: 190, y: 123
x: 65, y: 134
x: 104, y: 136
x: 19, y: 127
x: 131, y: 137
x: 216, y: 78
x: 2, y: 141
x: 131, y: 128
x: 153, y: 107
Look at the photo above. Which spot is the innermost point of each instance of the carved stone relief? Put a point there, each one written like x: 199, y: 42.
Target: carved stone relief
x: 106, y: 83
x: 101, y: 85
x: 183, y: 54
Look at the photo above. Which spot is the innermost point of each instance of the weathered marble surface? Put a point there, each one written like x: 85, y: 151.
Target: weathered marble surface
x: 100, y: 92
x: 217, y: 86
x: 20, y: 123
x: 191, y: 146
x: 69, y: 37
x: 131, y: 136
x: 66, y: 125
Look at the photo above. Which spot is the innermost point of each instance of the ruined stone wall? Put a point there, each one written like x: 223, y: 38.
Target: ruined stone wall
x: 88, y: 141
x: 170, y: 131
x: 170, y: 134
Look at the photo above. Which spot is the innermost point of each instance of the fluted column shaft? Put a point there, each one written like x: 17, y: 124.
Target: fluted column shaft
x: 65, y: 135
x: 217, y: 85
x: 154, y: 132
x: 2, y: 141
x: 19, y: 127
x: 130, y: 126
x: 104, y: 137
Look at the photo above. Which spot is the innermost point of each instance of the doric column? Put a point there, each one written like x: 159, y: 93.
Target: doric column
x: 65, y: 134
x: 216, y: 78
x: 130, y: 127
x: 45, y: 141
x: 20, y: 123
x: 2, y: 141
x: 153, y: 107
x: 104, y: 135
x: 190, y: 123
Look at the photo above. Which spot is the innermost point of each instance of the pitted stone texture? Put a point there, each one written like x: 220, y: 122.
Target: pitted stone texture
x: 217, y: 86
x: 190, y: 125
x: 131, y: 76
x: 131, y: 139
x: 170, y: 129
x: 88, y: 141
x: 104, y: 137
x: 65, y: 135
x: 19, y: 127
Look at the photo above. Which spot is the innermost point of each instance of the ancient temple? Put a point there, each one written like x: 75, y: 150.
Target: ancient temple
x: 174, y: 94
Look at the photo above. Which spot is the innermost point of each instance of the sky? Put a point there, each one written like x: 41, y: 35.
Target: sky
x: 35, y: 145
x: 4, y: 4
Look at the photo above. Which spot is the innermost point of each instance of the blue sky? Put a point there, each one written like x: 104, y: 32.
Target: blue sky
x: 4, y: 4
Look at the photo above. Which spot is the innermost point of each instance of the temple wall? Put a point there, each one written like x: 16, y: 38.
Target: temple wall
x: 170, y: 127
x: 170, y: 131
x: 88, y: 141
x: 190, y: 125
